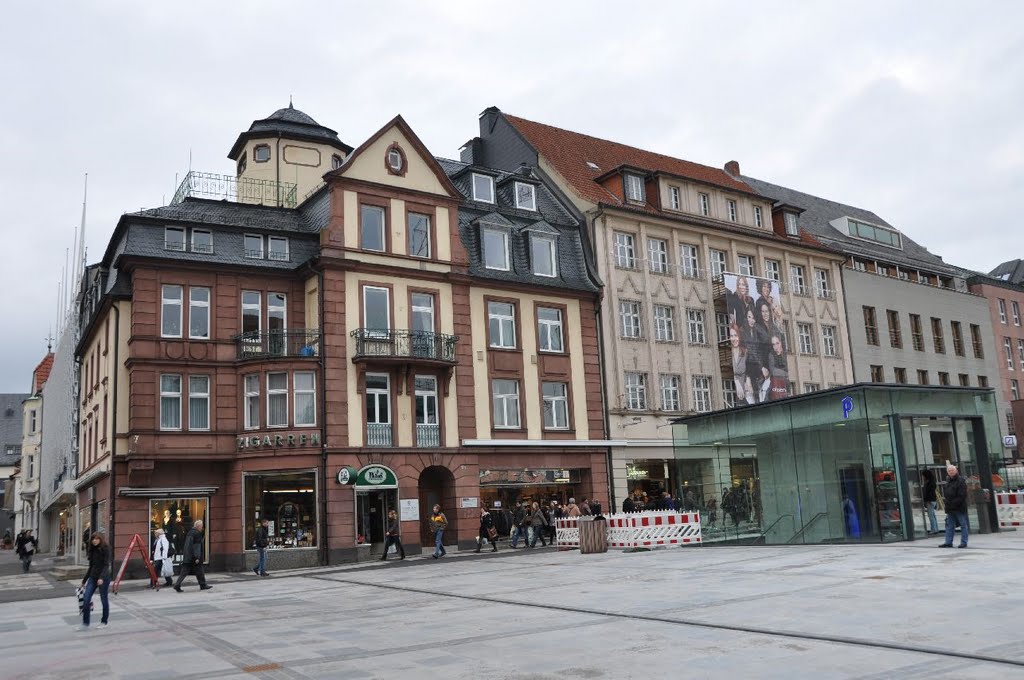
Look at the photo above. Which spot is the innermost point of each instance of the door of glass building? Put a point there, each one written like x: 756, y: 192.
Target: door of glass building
x: 928, y: 445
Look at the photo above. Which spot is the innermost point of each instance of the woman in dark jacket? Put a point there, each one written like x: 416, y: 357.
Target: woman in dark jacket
x: 930, y: 499
x: 539, y: 524
x: 97, y: 578
x: 486, y: 525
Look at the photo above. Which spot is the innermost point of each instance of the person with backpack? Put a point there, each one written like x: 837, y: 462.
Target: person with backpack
x: 163, y: 565
x: 25, y: 547
x: 96, y: 579
x: 438, y: 523
x: 260, y: 541
x: 487, y: 531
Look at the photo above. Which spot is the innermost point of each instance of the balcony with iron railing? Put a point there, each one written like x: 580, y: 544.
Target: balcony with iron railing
x: 378, y: 434
x: 402, y: 346
x: 428, y: 436
x: 236, y: 189
x: 278, y: 344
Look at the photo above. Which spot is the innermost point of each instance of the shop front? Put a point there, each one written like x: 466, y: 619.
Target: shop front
x: 376, y: 493
x: 287, y: 500
x: 845, y: 465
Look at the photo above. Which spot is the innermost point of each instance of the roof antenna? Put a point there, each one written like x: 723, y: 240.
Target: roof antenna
x: 49, y: 341
x: 290, y: 106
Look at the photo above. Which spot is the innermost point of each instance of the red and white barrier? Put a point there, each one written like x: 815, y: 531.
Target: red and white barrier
x: 1010, y: 509
x: 637, y: 530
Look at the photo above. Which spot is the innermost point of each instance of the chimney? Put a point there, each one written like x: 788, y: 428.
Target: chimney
x: 524, y: 170
x: 733, y: 168
x: 470, y: 152
x: 488, y: 117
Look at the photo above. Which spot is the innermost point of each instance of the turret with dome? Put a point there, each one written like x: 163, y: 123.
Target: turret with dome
x: 288, y: 146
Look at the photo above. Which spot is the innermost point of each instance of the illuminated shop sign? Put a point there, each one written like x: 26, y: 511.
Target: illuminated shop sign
x: 277, y: 441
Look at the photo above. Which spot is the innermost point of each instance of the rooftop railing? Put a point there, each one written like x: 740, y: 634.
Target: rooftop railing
x: 237, y: 190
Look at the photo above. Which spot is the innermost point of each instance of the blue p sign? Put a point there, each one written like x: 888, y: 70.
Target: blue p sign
x: 847, y: 407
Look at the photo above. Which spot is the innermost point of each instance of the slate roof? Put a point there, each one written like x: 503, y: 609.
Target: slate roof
x: 10, y: 425
x: 818, y: 212
x: 569, y: 152
x: 1011, y: 271
x: 289, y: 122
x: 551, y: 217
x: 228, y: 213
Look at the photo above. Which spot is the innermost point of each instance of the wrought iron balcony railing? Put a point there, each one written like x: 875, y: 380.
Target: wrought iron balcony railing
x: 407, y: 345
x: 378, y: 434
x: 277, y: 344
x: 238, y: 190
x: 428, y: 436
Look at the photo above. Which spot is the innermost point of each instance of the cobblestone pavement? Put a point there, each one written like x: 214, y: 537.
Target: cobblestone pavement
x: 870, y: 611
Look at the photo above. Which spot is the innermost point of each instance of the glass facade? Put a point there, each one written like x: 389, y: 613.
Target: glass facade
x: 840, y: 466
x: 176, y: 517
x: 287, y: 500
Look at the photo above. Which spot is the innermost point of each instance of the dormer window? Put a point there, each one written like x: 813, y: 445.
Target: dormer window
x: 483, y: 188
x: 336, y: 161
x: 790, y: 220
x: 202, y: 241
x: 174, y: 238
x: 543, y: 254
x: 253, y: 247
x: 495, y: 244
x: 733, y: 214
x: 394, y: 160
x: 261, y: 153
x: 758, y: 220
x: 886, y: 237
x: 526, y: 196
x: 634, y: 187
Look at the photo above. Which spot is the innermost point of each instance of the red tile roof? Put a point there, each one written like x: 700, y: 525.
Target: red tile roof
x: 569, y: 152
x: 42, y: 372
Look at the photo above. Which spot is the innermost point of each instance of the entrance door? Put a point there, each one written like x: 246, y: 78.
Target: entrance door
x: 437, y: 486
x: 372, y: 508
x: 853, y: 490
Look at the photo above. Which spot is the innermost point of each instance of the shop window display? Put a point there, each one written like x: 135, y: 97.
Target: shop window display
x: 176, y: 517
x: 288, y: 502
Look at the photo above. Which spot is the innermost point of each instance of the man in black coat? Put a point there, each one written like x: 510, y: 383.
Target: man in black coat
x: 955, y: 495
x: 192, y: 554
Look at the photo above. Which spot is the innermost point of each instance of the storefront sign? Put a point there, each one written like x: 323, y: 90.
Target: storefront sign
x: 847, y: 407
x: 347, y: 475
x: 469, y: 503
x: 409, y: 509
x: 1010, y: 441
x: 634, y: 472
x: 376, y: 475
x: 275, y: 441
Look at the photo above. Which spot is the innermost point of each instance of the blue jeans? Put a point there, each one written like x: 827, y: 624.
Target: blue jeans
x: 952, y: 519
x: 932, y: 521
x: 90, y: 588
x: 261, y: 563
x: 518, y: 531
x: 438, y: 547
x: 538, y: 532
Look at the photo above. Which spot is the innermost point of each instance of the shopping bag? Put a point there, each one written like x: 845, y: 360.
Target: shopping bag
x: 392, y: 549
x: 80, y: 594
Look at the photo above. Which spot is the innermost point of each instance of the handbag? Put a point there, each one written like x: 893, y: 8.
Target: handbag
x: 492, y: 534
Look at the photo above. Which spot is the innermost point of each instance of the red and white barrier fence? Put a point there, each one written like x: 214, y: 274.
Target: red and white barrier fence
x: 637, y: 530
x: 1010, y: 509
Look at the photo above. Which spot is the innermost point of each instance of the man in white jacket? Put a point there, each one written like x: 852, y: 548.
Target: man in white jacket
x: 162, y: 562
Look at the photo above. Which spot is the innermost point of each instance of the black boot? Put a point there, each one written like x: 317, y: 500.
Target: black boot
x: 494, y: 547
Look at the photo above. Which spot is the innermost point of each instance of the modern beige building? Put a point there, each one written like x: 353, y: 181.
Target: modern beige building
x: 668, y: 236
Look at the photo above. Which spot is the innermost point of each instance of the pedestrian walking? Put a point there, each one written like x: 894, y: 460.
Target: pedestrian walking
x: 392, y: 536
x: 438, y: 523
x: 519, y: 525
x: 955, y: 497
x: 538, y: 523
x: 930, y: 499
x: 260, y: 541
x: 26, y: 548
x: 487, y: 531
x: 96, y: 579
x: 163, y: 565
x: 585, y: 507
x: 192, y: 554
x: 572, y: 510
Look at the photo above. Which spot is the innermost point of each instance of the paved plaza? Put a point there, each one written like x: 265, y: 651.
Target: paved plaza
x: 897, y: 611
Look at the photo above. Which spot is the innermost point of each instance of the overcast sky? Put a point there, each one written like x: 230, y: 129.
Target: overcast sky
x: 908, y: 110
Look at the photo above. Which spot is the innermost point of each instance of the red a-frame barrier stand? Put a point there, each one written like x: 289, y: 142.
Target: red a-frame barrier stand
x: 136, y: 542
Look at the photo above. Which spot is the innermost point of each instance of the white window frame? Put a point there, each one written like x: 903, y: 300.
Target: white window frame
x: 634, y: 187
x: 805, y: 336
x: 387, y: 315
x: 717, y: 260
x: 790, y: 221
x: 409, y: 230
x: 509, y: 402
x: 758, y: 222
x: 278, y: 257
x: 1002, y: 310
x: 252, y: 254
x: 363, y: 208
x: 829, y: 346
x: 732, y: 210
x: 167, y: 303
x: 773, y: 270
x: 657, y: 258
x: 167, y: 242
x: 746, y: 264
x: 1014, y: 390
x: 704, y: 204
x: 1020, y: 351
x: 1015, y: 311
x: 625, y: 250
x: 379, y: 395
x: 505, y: 322
x: 504, y: 265
x: 546, y: 244
x: 557, y: 405
x: 664, y: 323
x: 278, y: 392
x: 722, y: 326
x: 702, y: 393
x: 275, y: 310
x: 630, y: 321
x: 198, y: 398
x: 305, y: 393
x: 810, y: 387
x: 201, y: 308
x: 728, y: 393
x: 531, y: 204
x: 1008, y: 350
x: 427, y: 396
x: 196, y: 248
x: 252, y: 400
x: 696, y: 328
x: 249, y: 306
x: 674, y: 199
x: 422, y: 311
x: 796, y: 279
x: 669, y: 385
x: 169, y: 394
x: 689, y: 261
x: 822, y: 286
x: 477, y: 195
x: 636, y: 391
x: 547, y: 329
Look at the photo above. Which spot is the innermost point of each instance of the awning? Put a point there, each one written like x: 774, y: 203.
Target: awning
x: 167, y: 491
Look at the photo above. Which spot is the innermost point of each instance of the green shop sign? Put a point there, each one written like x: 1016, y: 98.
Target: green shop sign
x: 347, y: 475
x: 376, y: 475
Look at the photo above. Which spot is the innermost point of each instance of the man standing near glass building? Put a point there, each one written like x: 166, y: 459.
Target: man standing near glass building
x: 955, y: 496
x: 261, y: 540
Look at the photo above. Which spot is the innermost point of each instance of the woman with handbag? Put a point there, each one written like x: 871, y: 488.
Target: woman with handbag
x: 162, y: 563
x: 96, y: 579
x: 487, y: 531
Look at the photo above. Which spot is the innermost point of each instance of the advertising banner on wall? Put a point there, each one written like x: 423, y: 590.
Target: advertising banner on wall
x: 758, y: 350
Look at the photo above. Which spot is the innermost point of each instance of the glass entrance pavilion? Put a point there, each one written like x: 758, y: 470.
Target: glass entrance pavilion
x: 844, y: 465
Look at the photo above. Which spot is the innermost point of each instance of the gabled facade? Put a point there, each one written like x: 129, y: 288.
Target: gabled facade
x: 681, y: 248
x: 25, y: 500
